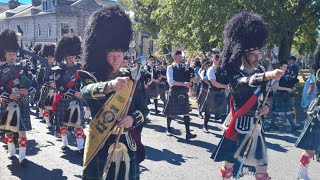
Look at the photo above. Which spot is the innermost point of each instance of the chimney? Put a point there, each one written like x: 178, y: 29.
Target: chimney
x: 13, y: 4
x: 36, y: 2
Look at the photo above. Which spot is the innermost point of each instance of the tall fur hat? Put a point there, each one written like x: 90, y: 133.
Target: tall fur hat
x: 47, y: 50
x: 245, y: 31
x: 37, y: 48
x: 108, y: 29
x: 9, y: 41
x: 69, y: 45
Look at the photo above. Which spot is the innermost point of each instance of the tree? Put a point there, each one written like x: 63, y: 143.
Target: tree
x: 198, y: 24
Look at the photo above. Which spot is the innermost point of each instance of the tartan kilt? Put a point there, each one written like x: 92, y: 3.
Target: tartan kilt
x: 152, y: 90
x: 309, y: 138
x: 202, y: 98
x: 214, y: 103
x: 25, y: 122
x: 42, y: 99
x: 162, y: 88
x: 178, y: 102
x: 95, y: 168
x: 281, y: 102
x: 37, y: 95
x: 227, y: 148
x: 62, y: 108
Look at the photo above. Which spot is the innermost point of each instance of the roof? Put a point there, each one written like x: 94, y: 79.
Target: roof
x: 18, y: 10
x: 3, y: 7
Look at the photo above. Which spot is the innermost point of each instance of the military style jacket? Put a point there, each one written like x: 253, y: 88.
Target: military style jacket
x: 12, y: 78
x: 67, y: 79
x: 92, y: 92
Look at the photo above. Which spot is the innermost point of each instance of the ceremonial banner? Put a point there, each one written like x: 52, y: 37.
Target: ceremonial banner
x: 102, y: 124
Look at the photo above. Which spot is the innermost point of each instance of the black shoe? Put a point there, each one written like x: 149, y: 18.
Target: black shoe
x: 157, y: 112
x: 205, y: 129
x: 190, y: 136
x: 23, y: 162
x: 64, y: 148
x: 147, y: 120
x: 12, y: 157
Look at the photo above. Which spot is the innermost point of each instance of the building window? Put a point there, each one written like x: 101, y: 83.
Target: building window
x: 39, y: 30
x: 64, y: 28
x: 53, y: 2
x: 49, y: 30
x: 27, y: 29
x: 43, y: 6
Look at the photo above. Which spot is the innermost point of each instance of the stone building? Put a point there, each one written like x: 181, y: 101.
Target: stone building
x: 46, y: 21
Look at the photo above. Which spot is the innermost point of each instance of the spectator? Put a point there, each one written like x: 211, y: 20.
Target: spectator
x: 309, y: 92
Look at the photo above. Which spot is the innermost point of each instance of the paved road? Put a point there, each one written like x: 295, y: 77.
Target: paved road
x: 169, y: 158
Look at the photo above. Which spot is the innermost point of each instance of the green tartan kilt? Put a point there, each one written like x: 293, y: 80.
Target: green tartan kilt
x: 281, y: 102
x: 94, y: 170
x: 42, y: 100
x: 25, y: 123
x: 62, y: 108
x: 212, y: 102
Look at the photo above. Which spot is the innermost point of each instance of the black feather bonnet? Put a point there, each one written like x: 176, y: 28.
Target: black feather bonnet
x: 244, y: 32
x: 69, y: 45
x: 109, y: 29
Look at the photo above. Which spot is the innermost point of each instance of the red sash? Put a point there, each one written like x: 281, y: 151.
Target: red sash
x: 59, y: 94
x: 231, y: 132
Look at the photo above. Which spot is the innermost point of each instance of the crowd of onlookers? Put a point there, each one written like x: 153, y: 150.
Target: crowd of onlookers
x: 284, y: 91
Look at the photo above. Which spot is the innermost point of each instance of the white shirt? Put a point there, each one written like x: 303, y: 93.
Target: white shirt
x: 211, y: 73
x: 202, y: 75
x: 170, y: 73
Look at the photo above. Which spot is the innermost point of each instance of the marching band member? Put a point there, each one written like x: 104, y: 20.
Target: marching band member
x: 178, y: 77
x: 105, y: 89
x: 202, y: 99
x: 152, y: 77
x: 45, y: 75
x: 67, y: 105
x: 244, y: 34
x: 309, y: 139
x: 15, y: 88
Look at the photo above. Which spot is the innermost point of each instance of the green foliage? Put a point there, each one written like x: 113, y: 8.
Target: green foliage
x: 197, y: 25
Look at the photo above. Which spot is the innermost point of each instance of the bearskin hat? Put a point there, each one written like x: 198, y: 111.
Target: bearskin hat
x: 37, y: 48
x: 9, y: 41
x: 108, y: 29
x: 244, y: 32
x: 69, y: 45
x: 47, y: 50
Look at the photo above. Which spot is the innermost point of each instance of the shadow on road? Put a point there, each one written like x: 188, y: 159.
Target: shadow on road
x: 276, y: 147
x: 73, y: 157
x: 164, y: 155
x: 143, y: 169
x: 278, y: 136
x: 34, y: 171
x: 206, y: 145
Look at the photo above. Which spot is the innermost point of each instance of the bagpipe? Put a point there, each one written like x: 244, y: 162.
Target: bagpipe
x: 72, y: 117
x: 104, y: 124
x: 251, y: 141
x: 14, y: 81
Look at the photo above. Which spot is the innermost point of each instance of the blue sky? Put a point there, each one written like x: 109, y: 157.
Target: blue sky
x: 22, y: 1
